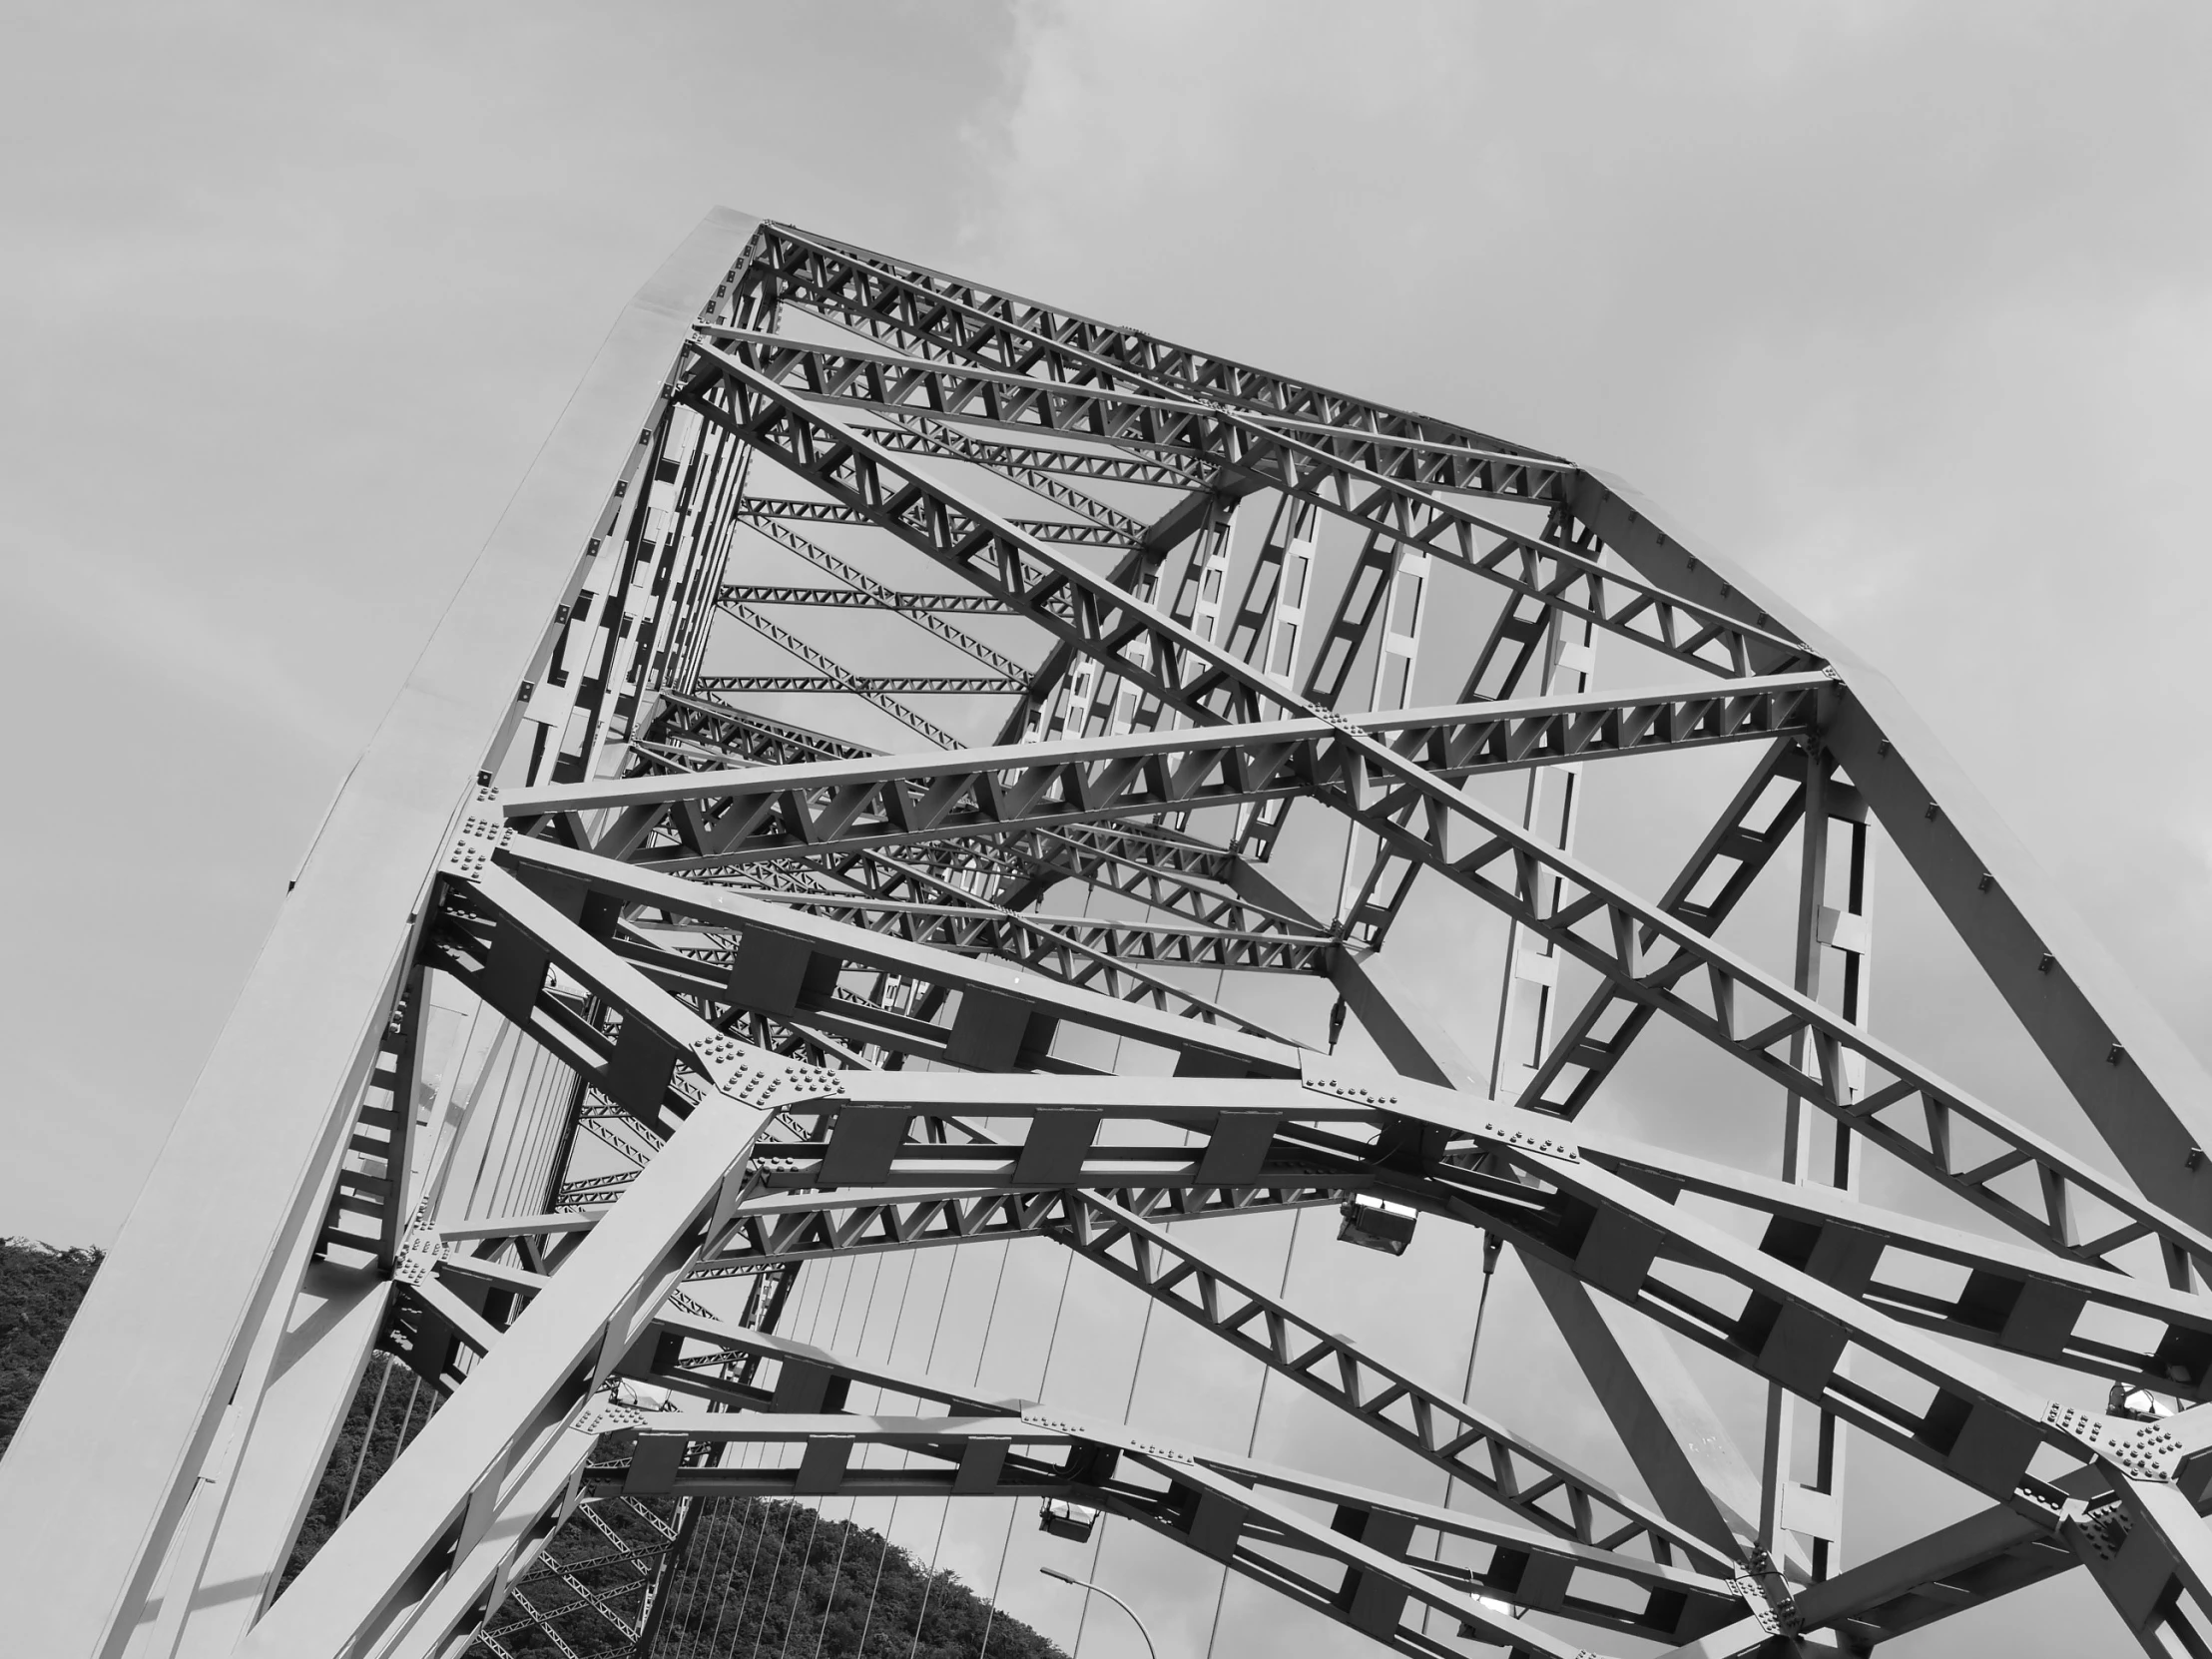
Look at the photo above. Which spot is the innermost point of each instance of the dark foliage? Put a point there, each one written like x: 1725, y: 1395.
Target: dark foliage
x: 400, y: 1407
x: 771, y: 1581
x: 762, y: 1578
x: 40, y: 1287
x: 590, y: 1584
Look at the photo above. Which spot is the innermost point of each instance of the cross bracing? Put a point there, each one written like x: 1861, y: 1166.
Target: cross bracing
x: 825, y: 830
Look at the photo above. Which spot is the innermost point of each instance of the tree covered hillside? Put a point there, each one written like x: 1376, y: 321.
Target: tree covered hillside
x: 763, y: 1578
x: 40, y: 1287
x: 797, y: 1584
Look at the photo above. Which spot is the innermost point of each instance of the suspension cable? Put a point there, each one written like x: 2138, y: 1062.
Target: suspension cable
x: 945, y: 1511
x: 1044, y: 1374
x: 1013, y: 1508
x: 1493, y: 1243
x: 1128, y: 1404
x: 853, y: 1506
x: 767, y: 1596
x: 836, y: 1573
x: 990, y: 1614
x: 1259, y: 1405
x: 701, y: 1598
x: 1136, y: 1371
x: 890, y: 1350
x: 799, y: 1588
x: 772, y: 1302
x: 821, y: 1302
x: 369, y: 1435
x: 875, y: 1588
x: 745, y: 1513
x: 929, y: 1583
x: 685, y: 1622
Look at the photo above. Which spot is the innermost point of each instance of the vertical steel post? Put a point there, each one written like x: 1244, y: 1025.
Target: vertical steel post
x: 90, y: 1517
x: 1800, y: 1436
x: 1551, y: 805
x: 1400, y: 609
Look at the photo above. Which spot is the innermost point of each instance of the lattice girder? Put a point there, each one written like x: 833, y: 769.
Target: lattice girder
x: 643, y: 968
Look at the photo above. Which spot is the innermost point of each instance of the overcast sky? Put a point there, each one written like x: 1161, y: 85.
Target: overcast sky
x: 1906, y: 306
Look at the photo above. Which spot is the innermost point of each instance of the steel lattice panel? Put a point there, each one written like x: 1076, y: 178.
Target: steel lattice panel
x: 825, y: 827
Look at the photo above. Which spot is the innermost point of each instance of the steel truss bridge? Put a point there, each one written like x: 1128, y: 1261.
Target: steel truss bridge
x: 824, y: 824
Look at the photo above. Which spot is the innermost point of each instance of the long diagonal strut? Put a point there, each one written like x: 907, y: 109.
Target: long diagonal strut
x: 632, y: 985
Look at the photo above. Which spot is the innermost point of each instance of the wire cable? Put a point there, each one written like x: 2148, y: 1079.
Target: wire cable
x: 1129, y: 1403
x: 875, y: 1589
x: 1013, y: 1510
x: 709, y: 1563
x: 829, y: 1603
x: 1259, y: 1405
x: 853, y: 1508
x: 929, y: 1583
x: 799, y: 1588
x: 944, y: 1509
x: 1493, y: 1243
x: 369, y: 1435
x: 982, y: 1347
x: 683, y: 1619
x: 767, y: 1596
x: 890, y: 1348
x: 745, y: 1506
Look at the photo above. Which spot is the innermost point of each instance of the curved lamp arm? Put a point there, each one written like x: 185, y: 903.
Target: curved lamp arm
x: 1080, y: 1584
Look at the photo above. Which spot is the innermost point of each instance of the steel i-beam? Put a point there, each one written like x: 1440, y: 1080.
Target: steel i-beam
x: 787, y: 849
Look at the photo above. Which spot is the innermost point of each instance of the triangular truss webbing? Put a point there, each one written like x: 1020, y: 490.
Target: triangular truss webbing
x: 918, y: 716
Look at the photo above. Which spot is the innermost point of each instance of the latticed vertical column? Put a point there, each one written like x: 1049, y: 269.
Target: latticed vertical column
x: 1286, y: 624
x: 1803, y: 1465
x: 1551, y: 805
x: 1400, y: 610
x: 763, y: 995
x: 1201, y: 599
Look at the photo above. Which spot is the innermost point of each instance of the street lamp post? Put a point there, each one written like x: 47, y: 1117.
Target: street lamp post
x: 1080, y: 1584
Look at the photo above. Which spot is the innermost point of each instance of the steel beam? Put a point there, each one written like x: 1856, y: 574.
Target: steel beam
x: 679, y: 992
x: 2144, y: 1091
x: 784, y: 373
x: 272, y: 1103
x: 1078, y: 781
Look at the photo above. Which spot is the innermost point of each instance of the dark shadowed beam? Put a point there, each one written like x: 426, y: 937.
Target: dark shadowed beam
x: 931, y: 313
x: 1017, y: 460
x: 272, y: 1104
x: 1555, y: 573
x: 1147, y: 551
x: 1203, y: 1498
